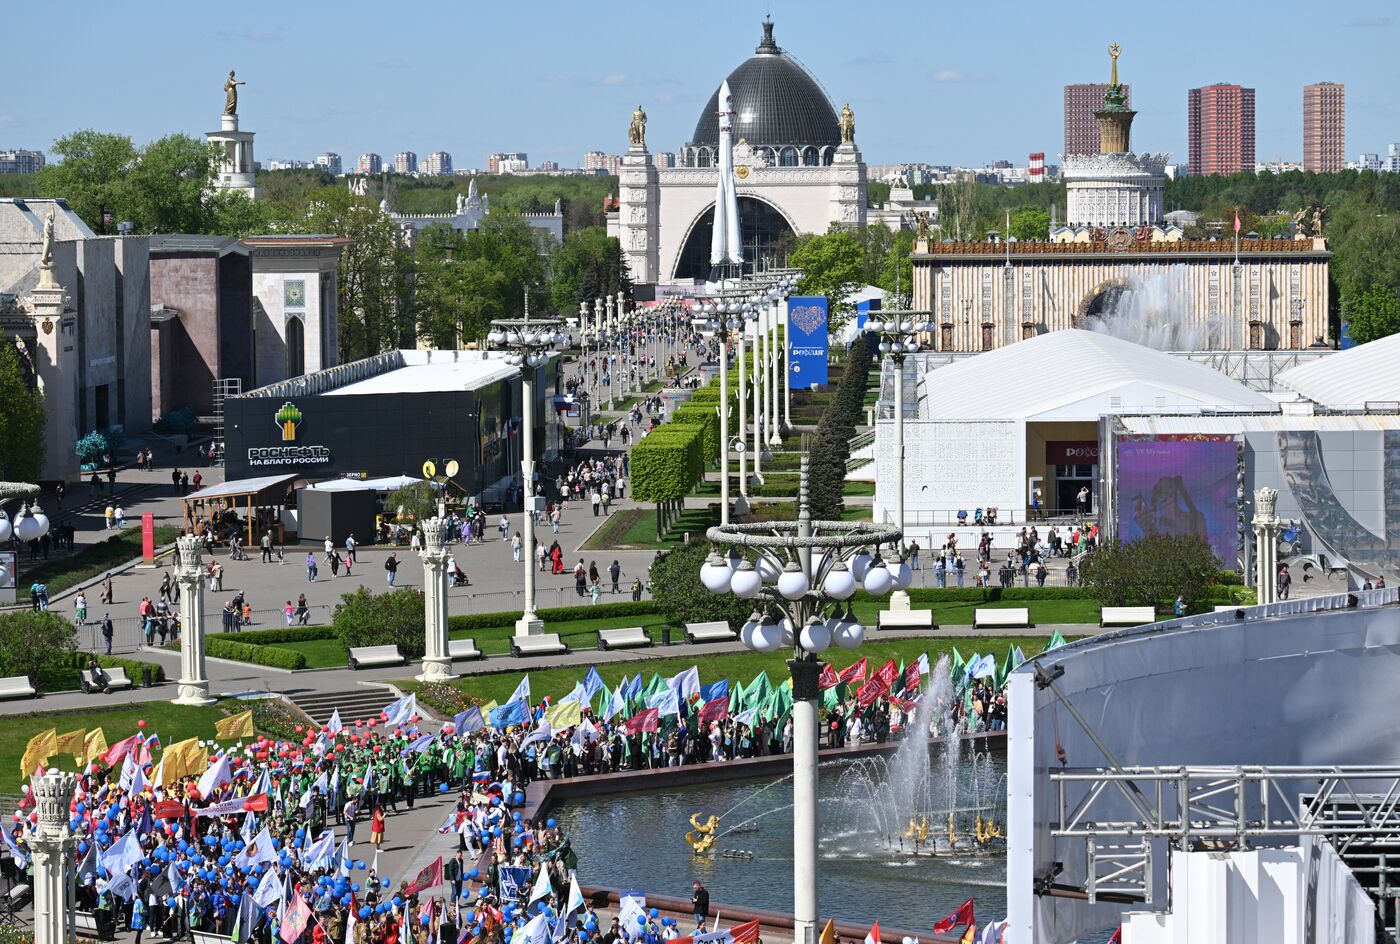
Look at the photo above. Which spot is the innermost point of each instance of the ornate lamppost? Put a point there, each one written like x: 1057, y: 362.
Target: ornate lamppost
x: 898, y: 334
x: 528, y: 343
x: 437, y: 664
x: 29, y: 524
x: 805, y: 571
x: 189, y: 574
x: 51, y: 843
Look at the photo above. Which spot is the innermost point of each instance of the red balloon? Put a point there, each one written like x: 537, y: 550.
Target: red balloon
x: 360, y: 723
x: 141, y: 723
x: 372, y: 722
x: 298, y: 729
x: 376, y: 748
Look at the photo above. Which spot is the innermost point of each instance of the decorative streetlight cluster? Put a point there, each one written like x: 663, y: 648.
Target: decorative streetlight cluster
x: 528, y: 344
x: 29, y: 524
x: 898, y: 333
x: 806, y: 572
x: 751, y: 301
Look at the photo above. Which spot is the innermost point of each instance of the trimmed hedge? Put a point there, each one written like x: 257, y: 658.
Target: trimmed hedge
x: 702, y: 416
x: 473, y: 621
x: 667, y: 463
x: 995, y: 594
x: 221, y: 647
x: 264, y: 637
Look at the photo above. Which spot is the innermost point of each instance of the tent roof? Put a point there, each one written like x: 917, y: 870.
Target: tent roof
x: 241, y: 487
x: 387, y: 484
x: 1079, y: 375
x: 1350, y: 379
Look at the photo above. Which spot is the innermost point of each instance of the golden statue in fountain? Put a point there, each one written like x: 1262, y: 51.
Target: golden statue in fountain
x: 703, y: 836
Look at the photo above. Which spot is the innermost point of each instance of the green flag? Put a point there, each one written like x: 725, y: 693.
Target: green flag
x: 1056, y: 641
x: 957, y: 669
x: 757, y: 692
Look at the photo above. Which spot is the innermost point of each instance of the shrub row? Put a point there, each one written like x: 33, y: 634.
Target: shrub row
x: 221, y: 647
x: 264, y: 637
x: 703, y: 416
x: 474, y: 621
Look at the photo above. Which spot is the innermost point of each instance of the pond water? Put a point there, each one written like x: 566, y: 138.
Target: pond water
x: 869, y: 865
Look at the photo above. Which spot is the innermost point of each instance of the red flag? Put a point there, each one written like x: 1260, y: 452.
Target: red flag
x: 118, y: 751
x: 874, y: 936
x: 715, y: 710
x: 879, y: 683
x: 911, y: 677
x: 1237, y: 221
x: 643, y: 721
x: 957, y: 919
x: 295, y: 919
x: 1117, y: 937
x: 746, y: 933
x: 828, y: 678
x: 855, y: 672
x: 430, y: 877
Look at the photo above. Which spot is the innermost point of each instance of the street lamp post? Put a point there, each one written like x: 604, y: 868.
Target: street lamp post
x: 29, y: 524
x: 528, y: 344
x: 898, y: 336
x: 805, y: 571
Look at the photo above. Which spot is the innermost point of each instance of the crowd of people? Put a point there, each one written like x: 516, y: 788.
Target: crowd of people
x: 256, y: 838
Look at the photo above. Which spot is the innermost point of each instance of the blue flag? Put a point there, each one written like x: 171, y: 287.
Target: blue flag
x: 592, y: 683
x: 714, y: 690
x: 468, y: 721
x: 511, y: 714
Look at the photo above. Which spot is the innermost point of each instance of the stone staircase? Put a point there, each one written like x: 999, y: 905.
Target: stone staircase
x: 356, y: 704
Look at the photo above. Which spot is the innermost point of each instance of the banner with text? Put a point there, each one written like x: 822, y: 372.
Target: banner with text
x: 808, y: 339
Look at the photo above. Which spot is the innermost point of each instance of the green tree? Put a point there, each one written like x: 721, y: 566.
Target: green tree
x: 586, y: 265
x: 415, y: 503
x: 169, y: 185
x: 827, y: 468
x: 395, y: 618
x: 1030, y: 223
x: 35, y: 644
x: 832, y: 265
x: 896, y: 274
x: 1372, y: 313
x: 91, y: 174
x: 21, y: 420
x: 375, y: 280
x: 681, y: 597
x: 1151, y: 571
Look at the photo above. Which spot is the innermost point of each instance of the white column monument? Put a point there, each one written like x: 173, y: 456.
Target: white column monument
x: 437, y: 665
x: 189, y: 574
x: 1266, y: 544
x: 53, y: 895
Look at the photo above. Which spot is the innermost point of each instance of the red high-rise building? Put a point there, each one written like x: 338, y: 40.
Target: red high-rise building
x: 1220, y: 129
x: 1081, y: 127
x: 1324, y: 127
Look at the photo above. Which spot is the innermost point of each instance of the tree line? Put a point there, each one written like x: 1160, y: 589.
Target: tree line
x: 443, y: 287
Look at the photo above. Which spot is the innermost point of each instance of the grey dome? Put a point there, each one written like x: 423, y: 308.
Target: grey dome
x: 776, y: 103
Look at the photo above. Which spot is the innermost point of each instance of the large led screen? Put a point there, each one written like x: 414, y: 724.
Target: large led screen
x: 1180, y: 485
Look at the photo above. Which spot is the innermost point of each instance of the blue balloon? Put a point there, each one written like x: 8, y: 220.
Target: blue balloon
x: 355, y: 887
x: 515, y: 816
x: 519, y: 842
x: 301, y: 832
x: 641, y: 921
x: 474, y: 873
x: 443, y: 788
x: 551, y: 823
x: 398, y: 902
x: 182, y: 845
x: 590, y: 925
x: 359, y: 863
x: 365, y: 913
x: 385, y: 883
x: 82, y: 847
x: 654, y: 913
x: 519, y: 797
x: 82, y: 807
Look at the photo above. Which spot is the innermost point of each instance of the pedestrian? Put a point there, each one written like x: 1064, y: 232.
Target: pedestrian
x: 267, y: 547
x: 184, y: 482
x: 960, y: 567
x: 636, y: 589
x: 330, y: 549
x: 700, y: 905
x: 554, y: 519
x: 516, y: 546
x: 198, y: 478
x: 303, y: 611
x: 108, y: 631
x: 106, y: 595
x: 1285, y: 580
x: 615, y: 571
x: 310, y: 567
x: 376, y: 827
x: 350, y: 551
x: 334, y: 560
x: 108, y: 515
x: 289, y: 611
x: 80, y: 609
x: 346, y: 562
x: 216, y: 577
x: 391, y: 568
x: 1081, y: 501
x: 1179, y: 607
x: 581, y: 580
x: 504, y: 527
x: 595, y: 593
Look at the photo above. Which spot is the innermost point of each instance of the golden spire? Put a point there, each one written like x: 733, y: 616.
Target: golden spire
x: 1114, y: 51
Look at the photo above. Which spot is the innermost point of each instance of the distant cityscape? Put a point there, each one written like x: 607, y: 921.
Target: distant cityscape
x: 1220, y: 140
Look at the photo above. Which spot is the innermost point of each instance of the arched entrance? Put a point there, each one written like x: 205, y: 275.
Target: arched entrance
x: 296, y: 348
x: 761, y: 225
x: 1102, y: 301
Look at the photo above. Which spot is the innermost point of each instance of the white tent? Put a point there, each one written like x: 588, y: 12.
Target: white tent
x: 366, y: 485
x: 1350, y: 379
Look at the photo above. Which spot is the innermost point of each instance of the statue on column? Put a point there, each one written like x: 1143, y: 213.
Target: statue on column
x: 848, y: 124
x: 231, y: 96
x: 637, y: 130
x: 437, y: 664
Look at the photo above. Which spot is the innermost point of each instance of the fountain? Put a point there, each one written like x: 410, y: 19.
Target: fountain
x: 1155, y: 311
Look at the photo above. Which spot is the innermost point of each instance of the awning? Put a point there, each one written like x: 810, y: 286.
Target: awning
x: 387, y: 484
x: 241, y: 487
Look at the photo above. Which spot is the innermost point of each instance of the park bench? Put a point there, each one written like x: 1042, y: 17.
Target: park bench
x: 84, y: 923
x: 628, y: 638
x: 16, y: 686
x: 986, y: 618
x: 1233, y: 608
x: 718, y: 631
x: 541, y: 644
x: 116, y: 678
x: 15, y: 899
x: 907, y: 619
x: 1126, y: 615
x: 462, y: 649
x: 370, y: 656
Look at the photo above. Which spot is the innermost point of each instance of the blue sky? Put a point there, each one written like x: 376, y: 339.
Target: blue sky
x: 938, y: 80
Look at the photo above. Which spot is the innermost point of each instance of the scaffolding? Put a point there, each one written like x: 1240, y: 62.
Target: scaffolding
x: 223, y: 389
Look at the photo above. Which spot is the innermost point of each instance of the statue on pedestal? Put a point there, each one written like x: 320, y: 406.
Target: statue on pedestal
x: 637, y: 130
x: 848, y: 124
x: 231, y: 99
x: 920, y: 224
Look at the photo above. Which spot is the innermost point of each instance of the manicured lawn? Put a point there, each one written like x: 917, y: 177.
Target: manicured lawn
x: 636, y: 528
x: 577, y: 634
x: 737, y: 666
x: 1042, y: 612
x: 60, y: 574
x: 859, y: 488
x: 172, y: 722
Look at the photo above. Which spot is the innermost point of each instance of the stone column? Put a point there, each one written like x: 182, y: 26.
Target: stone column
x: 53, y: 893
x: 805, y: 866
x: 437, y: 665
x: 1266, y: 544
x: 189, y: 574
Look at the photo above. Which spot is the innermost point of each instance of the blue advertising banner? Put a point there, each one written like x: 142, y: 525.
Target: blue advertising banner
x: 809, y: 339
